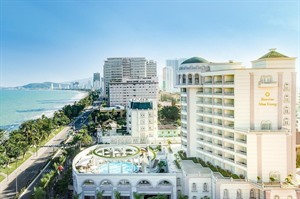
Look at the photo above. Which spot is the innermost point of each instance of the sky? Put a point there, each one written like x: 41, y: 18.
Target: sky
x: 58, y: 41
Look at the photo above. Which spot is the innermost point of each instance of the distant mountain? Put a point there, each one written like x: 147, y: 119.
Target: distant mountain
x: 44, y: 85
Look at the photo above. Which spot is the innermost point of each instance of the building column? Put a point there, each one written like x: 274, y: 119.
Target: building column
x: 279, y: 115
x: 292, y: 147
x: 259, y: 156
x: 252, y: 127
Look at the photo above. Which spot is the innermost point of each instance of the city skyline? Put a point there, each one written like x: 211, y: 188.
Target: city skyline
x: 66, y: 40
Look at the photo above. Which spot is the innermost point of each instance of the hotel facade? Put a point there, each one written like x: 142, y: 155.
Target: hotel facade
x: 241, y: 119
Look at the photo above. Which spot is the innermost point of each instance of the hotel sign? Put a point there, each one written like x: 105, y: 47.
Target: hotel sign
x: 267, y: 100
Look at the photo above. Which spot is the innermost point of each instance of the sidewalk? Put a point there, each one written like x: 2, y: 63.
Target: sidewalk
x: 29, y: 162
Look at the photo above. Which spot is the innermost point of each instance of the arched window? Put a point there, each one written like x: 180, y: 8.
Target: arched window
x: 205, y: 187
x: 194, y: 197
x: 290, y: 197
x: 286, y: 110
x: 286, y: 98
x: 286, y: 86
x: 225, y: 194
x: 276, y: 197
x: 239, y: 194
x: 194, y: 187
x: 190, y: 79
x: 88, y: 183
x: 252, y: 194
x: 184, y: 79
x: 285, y: 121
x: 196, y: 78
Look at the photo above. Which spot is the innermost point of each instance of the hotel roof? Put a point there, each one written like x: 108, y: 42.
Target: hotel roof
x: 194, y: 60
x: 273, y: 54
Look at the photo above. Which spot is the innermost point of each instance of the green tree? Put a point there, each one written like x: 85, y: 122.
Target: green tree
x: 169, y: 112
x: 138, y: 195
x: 39, y: 193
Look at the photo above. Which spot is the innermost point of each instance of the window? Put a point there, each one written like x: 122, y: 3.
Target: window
x: 286, y: 98
x: 252, y: 194
x: 285, y: 121
x: 290, y: 197
x: 194, y: 187
x: 205, y: 187
x: 239, y: 194
x: 265, y: 125
x: 286, y: 87
x: 178, y: 182
x: 194, y: 197
x: 276, y: 197
x: 225, y: 194
x: 286, y: 110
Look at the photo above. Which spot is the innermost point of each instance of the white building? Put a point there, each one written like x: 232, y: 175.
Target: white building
x: 96, y: 81
x: 124, y: 169
x: 141, y: 117
x: 241, y: 119
x: 168, y: 85
x: 122, y: 92
x: 174, y: 64
x: 115, y: 69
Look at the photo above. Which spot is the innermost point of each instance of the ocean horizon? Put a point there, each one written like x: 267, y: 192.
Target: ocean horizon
x: 18, y: 106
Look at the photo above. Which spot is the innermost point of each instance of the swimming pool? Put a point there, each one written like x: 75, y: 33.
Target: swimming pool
x: 118, y: 167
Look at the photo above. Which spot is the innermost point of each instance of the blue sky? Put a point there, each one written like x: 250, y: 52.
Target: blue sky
x: 67, y: 40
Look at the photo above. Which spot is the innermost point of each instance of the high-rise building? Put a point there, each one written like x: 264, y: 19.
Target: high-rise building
x: 115, y: 69
x: 241, y: 119
x: 96, y: 81
x: 141, y: 119
x: 174, y: 64
x: 121, y: 92
x: 168, y: 79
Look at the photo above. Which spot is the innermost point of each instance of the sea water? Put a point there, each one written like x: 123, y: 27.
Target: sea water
x: 17, y: 106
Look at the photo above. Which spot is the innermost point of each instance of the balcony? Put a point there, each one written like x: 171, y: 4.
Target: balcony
x: 229, y: 104
x: 208, y: 83
x: 229, y: 148
x: 242, y: 163
x: 229, y: 115
x: 241, y: 140
x: 229, y: 159
x: 229, y: 82
x: 218, y: 103
x: 229, y: 93
x: 241, y: 152
x: 230, y: 126
x: 229, y: 137
x: 218, y: 82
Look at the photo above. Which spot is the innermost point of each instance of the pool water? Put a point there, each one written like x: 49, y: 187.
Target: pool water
x: 118, y: 167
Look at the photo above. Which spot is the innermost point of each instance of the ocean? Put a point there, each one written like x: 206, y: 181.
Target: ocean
x: 17, y: 106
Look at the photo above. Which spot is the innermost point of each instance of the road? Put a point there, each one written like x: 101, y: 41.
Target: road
x: 32, y: 167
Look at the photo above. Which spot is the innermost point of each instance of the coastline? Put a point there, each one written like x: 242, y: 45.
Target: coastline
x: 49, y: 112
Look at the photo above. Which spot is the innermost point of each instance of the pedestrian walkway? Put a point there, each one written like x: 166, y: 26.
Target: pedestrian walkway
x: 30, y: 161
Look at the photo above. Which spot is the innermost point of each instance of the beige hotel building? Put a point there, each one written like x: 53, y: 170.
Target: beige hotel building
x: 241, y: 119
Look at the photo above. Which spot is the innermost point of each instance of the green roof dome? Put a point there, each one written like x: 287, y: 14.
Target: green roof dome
x: 273, y: 54
x: 194, y: 60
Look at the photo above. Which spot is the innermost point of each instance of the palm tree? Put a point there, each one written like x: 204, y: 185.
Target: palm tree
x: 99, y: 194
x: 138, y: 195
x: 117, y: 194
